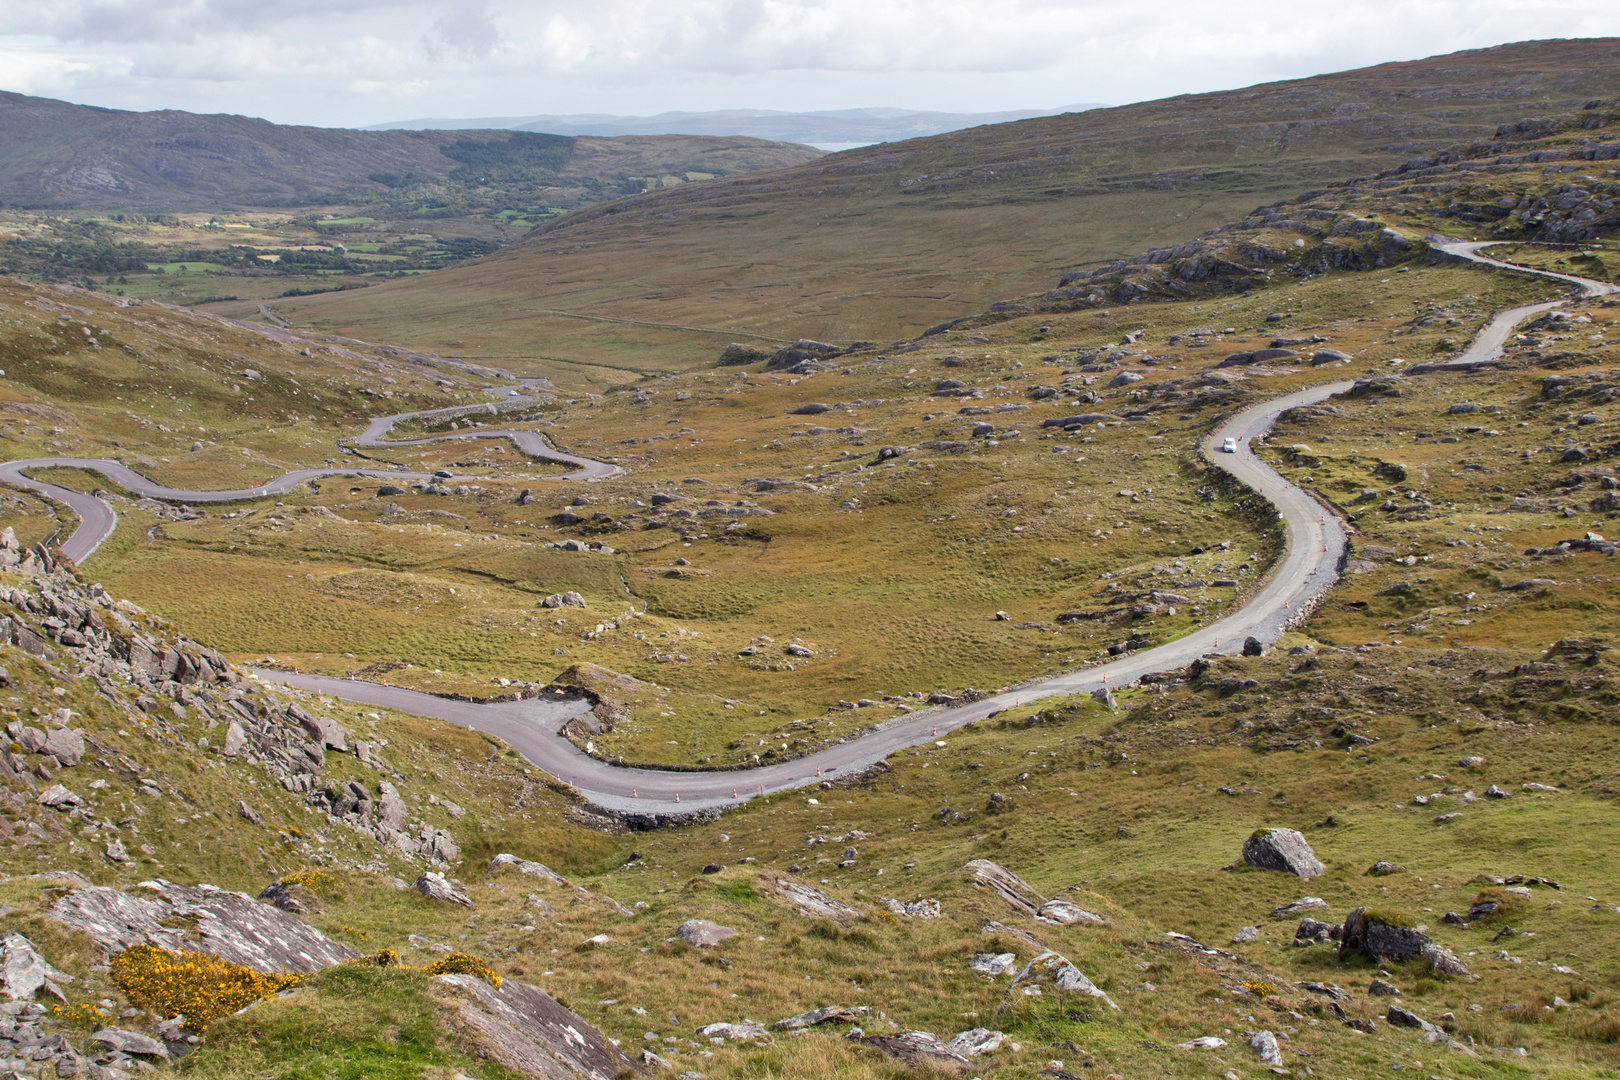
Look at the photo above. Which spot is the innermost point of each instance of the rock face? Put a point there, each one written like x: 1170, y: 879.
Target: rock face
x: 1284, y: 850
x: 1052, y: 970
x: 1381, y: 935
x: 527, y: 1031
x: 230, y: 925
x: 701, y: 933
x: 24, y: 972
x: 1009, y: 886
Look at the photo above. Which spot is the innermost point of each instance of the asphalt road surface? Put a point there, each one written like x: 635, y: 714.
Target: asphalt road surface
x: 1307, y: 569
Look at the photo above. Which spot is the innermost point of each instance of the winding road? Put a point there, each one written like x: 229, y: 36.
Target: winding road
x: 98, y: 520
x: 1315, y: 544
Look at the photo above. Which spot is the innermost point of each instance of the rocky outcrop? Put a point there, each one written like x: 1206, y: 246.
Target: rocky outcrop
x: 919, y: 1050
x: 199, y: 918
x: 1051, y: 970
x: 524, y: 866
x: 1017, y: 892
x: 528, y: 1031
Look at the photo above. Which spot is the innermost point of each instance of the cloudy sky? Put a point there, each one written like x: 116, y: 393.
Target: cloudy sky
x: 358, y: 62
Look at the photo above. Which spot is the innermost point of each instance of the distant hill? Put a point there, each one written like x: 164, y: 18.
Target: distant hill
x: 881, y: 242
x: 59, y: 156
x: 827, y: 127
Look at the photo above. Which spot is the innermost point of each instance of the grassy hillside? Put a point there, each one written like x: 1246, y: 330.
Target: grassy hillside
x: 881, y: 242
x: 1449, y: 709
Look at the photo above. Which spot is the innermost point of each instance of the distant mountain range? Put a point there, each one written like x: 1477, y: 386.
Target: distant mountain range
x: 55, y: 155
x: 831, y: 128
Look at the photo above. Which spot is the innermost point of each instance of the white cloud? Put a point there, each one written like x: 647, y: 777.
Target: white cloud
x: 360, y: 61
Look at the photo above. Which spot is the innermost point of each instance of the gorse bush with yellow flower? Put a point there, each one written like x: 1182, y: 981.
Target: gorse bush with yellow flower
x: 200, y: 987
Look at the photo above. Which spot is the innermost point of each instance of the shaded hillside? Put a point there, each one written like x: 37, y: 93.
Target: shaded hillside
x: 881, y: 242
x: 56, y: 155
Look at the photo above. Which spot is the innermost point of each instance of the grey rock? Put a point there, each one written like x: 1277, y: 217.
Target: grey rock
x: 32, y: 740
x: 830, y: 1014
x: 538, y: 904
x: 1328, y: 356
x: 1406, y: 1018
x: 129, y: 1042
x: 1066, y: 913
x: 1494, y: 792
x: 1106, y: 697
x: 1442, y: 961
x: 250, y: 815
x: 1311, y: 931
x: 524, y: 866
x: 815, y: 408
x: 1245, y: 933
x: 1371, y: 934
x: 67, y: 746
x: 437, y: 887
x: 24, y: 972
x: 115, y: 851
x: 58, y: 797
x: 199, y: 918
x: 563, y: 599
x: 235, y: 739
x: 1124, y: 378
x: 1332, y: 993
x: 1265, y: 1047
x: 992, y: 963
x: 653, y: 1061
x: 976, y: 1042
x: 530, y: 1033
x: 1384, y: 868
x: 390, y: 807
x: 1380, y: 988
x: 745, y: 1031
x: 1051, y: 969
x: 701, y: 933
x: 1283, y: 850
x: 1304, y: 903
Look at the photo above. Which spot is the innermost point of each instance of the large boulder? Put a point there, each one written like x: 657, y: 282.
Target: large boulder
x: 532, y: 1034
x: 701, y: 933
x: 1381, y: 935
x: 1283, y: 850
